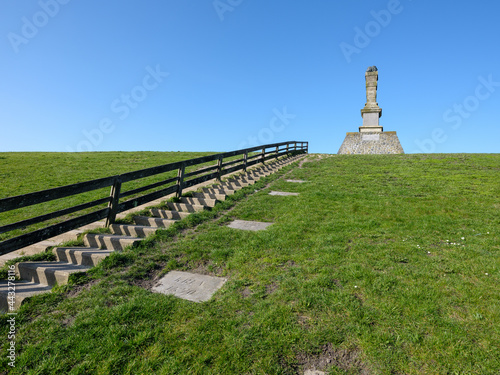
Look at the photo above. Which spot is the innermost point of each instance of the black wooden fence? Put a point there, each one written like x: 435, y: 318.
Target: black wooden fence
x: 250, y: 156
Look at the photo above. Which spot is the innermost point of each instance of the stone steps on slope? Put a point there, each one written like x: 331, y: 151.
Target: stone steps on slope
x: 109, y: 241
x: 40, y: 276
x: 85, y: 256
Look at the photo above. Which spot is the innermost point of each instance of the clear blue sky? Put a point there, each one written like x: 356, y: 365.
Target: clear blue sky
x: 166, y: 75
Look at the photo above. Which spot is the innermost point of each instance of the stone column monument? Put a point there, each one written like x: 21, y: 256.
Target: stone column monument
x: 371, y: 112
x: 371, y: 138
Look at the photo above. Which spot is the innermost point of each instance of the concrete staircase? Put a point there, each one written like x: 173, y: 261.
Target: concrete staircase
x: 40, y: 277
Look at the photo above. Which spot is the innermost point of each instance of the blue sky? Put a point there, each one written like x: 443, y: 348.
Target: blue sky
x: 166, y: 75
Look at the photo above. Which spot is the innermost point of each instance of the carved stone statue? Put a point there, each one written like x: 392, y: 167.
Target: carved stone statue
x: 372, y: 69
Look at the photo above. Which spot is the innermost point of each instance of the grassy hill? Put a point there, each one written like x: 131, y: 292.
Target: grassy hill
x: 382, y: 265
x: 27, y: 172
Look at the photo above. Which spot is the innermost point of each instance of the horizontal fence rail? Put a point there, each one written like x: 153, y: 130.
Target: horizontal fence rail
x: 183, y: 180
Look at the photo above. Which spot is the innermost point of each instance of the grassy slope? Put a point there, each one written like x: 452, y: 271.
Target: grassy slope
x: 26, y: 172
x: 366, y: 267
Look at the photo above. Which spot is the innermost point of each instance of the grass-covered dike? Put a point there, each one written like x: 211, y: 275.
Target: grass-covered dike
x: 382, y: 265
x: 27, y: 172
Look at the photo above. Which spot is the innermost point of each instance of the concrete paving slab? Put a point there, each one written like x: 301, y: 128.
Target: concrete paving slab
x: 296, y: 181
x: 189, y: 286
x: 249, y: 225
x: 283, y: 193
x: 24, y: 289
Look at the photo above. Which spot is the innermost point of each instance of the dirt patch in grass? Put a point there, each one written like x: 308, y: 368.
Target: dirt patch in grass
x: 305, y: 160
x: 148, y: 282
x: 67, y: 321
x: 77, y: 289
x: 304, y: 321
x: 347, y: 360
x: 246, y: 292
x: 287, y: 264
x: 271, y: 288
x: 207, y: 268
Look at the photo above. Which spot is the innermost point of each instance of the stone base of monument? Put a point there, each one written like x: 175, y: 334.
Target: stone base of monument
x: 371, y: 143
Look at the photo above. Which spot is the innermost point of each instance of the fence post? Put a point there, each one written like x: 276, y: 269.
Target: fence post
x: 287, y: 147
x: 245, y: 161
x: 263, y: 155
x: 295, y: 146
x: 180, y: 180
x: 277, y: 152
x: 113, y: 203
x: 219, y: 168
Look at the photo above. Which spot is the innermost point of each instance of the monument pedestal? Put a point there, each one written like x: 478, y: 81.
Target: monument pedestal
x: 371, y: 143
x: 371, y: 138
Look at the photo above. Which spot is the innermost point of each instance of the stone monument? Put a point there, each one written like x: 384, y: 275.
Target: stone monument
x: 371, y: 138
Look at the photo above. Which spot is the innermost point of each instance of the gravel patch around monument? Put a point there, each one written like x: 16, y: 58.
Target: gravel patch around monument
x: 189, y: 286
x: 249, y: 225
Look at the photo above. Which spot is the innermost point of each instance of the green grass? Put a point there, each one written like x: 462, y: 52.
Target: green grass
x: 27, y: 172
x: 382, y: 265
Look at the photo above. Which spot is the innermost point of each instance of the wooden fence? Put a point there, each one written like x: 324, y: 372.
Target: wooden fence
x: 250, y: 156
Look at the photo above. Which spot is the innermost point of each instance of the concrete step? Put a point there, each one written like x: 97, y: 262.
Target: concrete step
x: 252, y: 179
x: 266, y: 171
x: 48, y: 273
x: 242, y: 180
x: 234, y: 185
x: 140, y: 230
x: 218, y: 190
x: 219, y: 197
x: 153, y: 222
x: 23, y: 289
x: 199, y: 201
x: 167, y: 214
x: 255, y: 177
x: 85, y: 256
x: 109, y: 241
x: 260, y: 171
x: 184, y: 207
x: 258, y: 175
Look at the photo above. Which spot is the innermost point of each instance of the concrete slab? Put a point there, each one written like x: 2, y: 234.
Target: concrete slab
x: 297, y: 181
x: 314, y: 372
x: 24, y: 289
x: 189, y: 286
x: 249, y: 225
x: 283, y: 193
